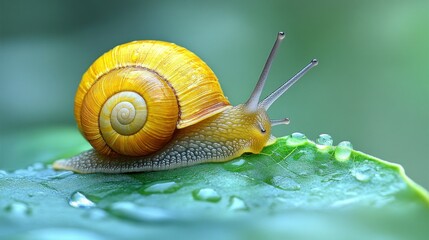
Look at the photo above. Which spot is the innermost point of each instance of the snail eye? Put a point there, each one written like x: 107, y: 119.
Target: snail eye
x: 261, y: 127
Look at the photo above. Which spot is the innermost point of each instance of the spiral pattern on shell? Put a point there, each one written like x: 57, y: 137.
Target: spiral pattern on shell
x: 131, y: 100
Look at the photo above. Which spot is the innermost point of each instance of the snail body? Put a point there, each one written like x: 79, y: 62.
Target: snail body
x: 220, y: 138
x: 152, y: 105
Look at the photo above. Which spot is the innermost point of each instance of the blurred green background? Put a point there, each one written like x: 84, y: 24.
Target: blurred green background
x: 371, y: 86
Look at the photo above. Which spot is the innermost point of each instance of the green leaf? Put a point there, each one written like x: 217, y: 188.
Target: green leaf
x: 294, y: 188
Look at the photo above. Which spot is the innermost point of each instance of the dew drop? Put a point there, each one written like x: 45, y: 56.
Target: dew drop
x: 324, y: 141
x: 78, y: 200
x: 296, y: 139
x: 362, y: 173
x: 18, y: 209
x: 129, y: 210
x: 206, y: 194
x: 235, y: 165
x: 284, y: 183
x: 164, y: 187
x: 237, y: 204
x: 343, y: 151
x: 61, y: 175
x: 346, y: 144
x: 361, y: 176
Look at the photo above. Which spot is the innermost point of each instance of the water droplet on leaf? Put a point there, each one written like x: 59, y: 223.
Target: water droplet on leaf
x: 296, y: 139
x: 78, y: 200
x: 135, y: 212
x: 362, y: 173
x: 18, y: 209
x: 235, y: 165
x: 237, y: 204
x: 343, y: 151
x: 324, y: 142
x: 361, y: 176
x: 164, y: 187
x: 206, y: 194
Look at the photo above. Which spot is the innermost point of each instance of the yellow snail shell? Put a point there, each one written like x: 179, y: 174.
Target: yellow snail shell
x: 131, y: 99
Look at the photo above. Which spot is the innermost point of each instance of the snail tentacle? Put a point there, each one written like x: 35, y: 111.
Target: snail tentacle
x: 252, y: 103
x: 270, y: 99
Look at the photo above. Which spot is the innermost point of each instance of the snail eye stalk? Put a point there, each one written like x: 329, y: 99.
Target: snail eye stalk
x: 266, y: 103
x: 252, y: 103
x: 280, y: 122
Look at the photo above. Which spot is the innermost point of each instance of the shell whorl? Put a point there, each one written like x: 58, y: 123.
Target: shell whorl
x: 132, y: 99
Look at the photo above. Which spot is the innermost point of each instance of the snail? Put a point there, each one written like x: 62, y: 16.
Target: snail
x: 152, y: 105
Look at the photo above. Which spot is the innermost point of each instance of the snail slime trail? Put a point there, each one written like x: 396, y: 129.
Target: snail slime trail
x: 192, y: 122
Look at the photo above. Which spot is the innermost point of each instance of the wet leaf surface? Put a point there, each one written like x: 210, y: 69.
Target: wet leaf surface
x: 290, y: 188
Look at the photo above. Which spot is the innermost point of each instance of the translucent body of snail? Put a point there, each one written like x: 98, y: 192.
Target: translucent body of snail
x: 216, y: 133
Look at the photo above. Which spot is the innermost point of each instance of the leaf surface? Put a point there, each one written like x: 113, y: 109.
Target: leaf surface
x: 290, y: 188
